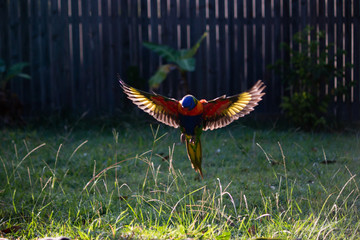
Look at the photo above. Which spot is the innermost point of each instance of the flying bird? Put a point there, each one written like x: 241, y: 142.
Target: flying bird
x: 194, y: 116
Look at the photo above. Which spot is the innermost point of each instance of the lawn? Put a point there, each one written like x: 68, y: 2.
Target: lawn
x: 134, y: 181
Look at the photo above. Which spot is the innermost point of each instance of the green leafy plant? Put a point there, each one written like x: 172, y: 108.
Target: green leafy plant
x: 10, y: 105
x: 182, y: 60
x: 308, y: 70
x: 8, y: 73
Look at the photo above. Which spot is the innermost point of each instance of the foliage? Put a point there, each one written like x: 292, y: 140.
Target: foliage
x: 304, y: 109
x: 306, y: 104
x: 132, y: 182
x: 8, y: 73
x: 183, y: 60
x: 10, y: 105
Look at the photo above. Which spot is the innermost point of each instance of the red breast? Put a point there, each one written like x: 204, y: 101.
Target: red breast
x: 197, y: 110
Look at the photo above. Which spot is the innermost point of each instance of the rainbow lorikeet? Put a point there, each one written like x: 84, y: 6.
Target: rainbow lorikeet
x: 194, y: 116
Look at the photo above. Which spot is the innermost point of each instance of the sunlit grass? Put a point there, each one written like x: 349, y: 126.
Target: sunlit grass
x: 132, y: 181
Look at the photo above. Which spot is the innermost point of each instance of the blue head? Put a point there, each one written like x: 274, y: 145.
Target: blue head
x: 188, y: 102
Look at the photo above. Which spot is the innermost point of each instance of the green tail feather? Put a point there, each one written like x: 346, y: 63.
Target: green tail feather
x: 194, y: 152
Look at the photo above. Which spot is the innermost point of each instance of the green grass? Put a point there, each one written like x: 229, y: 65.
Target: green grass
x: 135, y: 182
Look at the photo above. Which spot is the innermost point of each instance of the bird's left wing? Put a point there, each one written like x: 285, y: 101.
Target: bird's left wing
x: 222, y: 111
x: 161, y: 108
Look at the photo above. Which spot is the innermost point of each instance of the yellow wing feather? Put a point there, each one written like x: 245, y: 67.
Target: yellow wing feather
x: 222, y: 111
x: 161, y: 108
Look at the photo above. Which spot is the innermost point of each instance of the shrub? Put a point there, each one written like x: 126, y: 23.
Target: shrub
x: 304, y: 104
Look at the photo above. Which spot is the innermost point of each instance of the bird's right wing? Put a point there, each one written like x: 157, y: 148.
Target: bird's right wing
x: 222, y: 111
x: 161, y: 108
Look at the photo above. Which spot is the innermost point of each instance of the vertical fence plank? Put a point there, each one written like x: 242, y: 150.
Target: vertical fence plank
x: 200, y: 67
x: 170, y: 38
x: 197, y: 26
x: 348, y: 51
x: 249, y: 46
x: 34, y: 88
x: 295, y: 23
x: 133, y: 32
x: 190, y: 31
x: 269, y: 41
x: 66, y: 98
x: 75, y: 56
x: 260, y: 44
x: 144, y: 38
x: 213, y: 65
x: 4, y: 17
x: 184, y: 16
x: 240, y: 54
x: 96, y: 53
x: 44, y: 56
x: 56, y: 51
x: 221, y: 76
x: 14, y: 24
x: 164, y: 38
x: 224, y: 73
x: 154, y: 21
x: 86, y: 70
x: 107, y: 70
x: 320, y: 19
x: 285, y: 27
x: 24, y: 85
x: 233, y: 75
x: 119, y: 48
x: 331, y: 39
x: 15, y: 40
x: 339, y: 44
x: 258, y: 53
x: 275, y: 85
x: 96, y: 56
x: 356, y: 58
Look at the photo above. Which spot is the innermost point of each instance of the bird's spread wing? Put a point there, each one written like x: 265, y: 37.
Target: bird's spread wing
x: 224, y: 110
x: 161, y: 108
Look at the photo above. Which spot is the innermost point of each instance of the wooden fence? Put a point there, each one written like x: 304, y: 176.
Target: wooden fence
x: 76, y: 47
